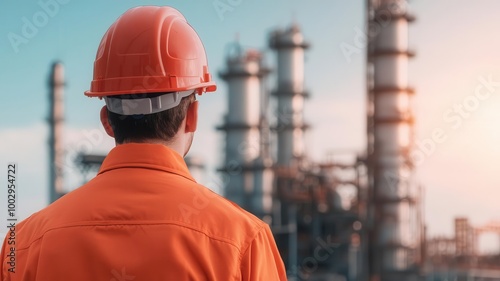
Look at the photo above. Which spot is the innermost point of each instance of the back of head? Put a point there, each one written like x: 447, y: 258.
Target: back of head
x: 141, y: 128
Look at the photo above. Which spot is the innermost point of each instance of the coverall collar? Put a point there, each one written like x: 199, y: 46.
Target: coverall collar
x: 148, y: 156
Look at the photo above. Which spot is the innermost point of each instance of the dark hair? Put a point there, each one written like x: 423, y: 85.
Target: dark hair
x: 138, y: 128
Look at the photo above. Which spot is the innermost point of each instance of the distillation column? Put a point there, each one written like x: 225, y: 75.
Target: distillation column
x: 290, y: 45
x: 396, y: 229
x: 248, y: 183
x: 290, y: 94
x: 56, y: 125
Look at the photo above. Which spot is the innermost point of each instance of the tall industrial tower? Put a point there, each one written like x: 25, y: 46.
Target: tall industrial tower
x: 396, y: 226
x: 56, y: 125
x: 290, y: 46
x: 290, y: 93
x: 248, y: 174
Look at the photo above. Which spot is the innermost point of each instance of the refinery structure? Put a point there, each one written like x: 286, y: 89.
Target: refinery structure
x: 395, y: 213
x: 379, y: 235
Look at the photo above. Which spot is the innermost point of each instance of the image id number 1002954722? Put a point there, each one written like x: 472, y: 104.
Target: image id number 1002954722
x: 10, y: 247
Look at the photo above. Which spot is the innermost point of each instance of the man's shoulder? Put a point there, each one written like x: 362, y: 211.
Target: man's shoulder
x: 219, y: 216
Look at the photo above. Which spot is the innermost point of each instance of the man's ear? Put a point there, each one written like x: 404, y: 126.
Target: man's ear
x: 192, y: 118
x: 105, y: 122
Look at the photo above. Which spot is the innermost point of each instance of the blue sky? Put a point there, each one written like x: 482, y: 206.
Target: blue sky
x: 456, y: 43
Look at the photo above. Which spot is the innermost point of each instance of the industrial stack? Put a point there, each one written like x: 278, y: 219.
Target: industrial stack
x: 56, y: 125
x: 289, y: 45
x: 395, y: 218
x: 249, y: 179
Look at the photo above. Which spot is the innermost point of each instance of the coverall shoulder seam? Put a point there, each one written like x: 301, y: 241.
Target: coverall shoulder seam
x: 81, y: 224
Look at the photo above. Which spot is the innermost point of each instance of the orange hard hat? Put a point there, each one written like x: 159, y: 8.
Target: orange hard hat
x: 148, y: 50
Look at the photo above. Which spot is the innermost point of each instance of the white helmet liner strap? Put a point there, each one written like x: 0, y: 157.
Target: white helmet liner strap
x: 145, y: 105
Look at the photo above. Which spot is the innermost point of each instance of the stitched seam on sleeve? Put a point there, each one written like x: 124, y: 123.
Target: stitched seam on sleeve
x: 245, y: 250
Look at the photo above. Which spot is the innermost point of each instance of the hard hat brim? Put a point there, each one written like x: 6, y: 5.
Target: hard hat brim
x: 203, y: 87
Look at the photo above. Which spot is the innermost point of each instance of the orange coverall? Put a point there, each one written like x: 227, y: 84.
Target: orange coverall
x: 143, y: 218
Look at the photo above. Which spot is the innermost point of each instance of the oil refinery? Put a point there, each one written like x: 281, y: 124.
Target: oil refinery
x: 379, y: 234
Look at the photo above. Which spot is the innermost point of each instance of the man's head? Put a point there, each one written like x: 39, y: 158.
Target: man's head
x: 148, y: 68
x: 173, y: 127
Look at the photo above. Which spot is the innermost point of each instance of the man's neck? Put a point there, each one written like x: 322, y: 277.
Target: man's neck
x: 174, y: 145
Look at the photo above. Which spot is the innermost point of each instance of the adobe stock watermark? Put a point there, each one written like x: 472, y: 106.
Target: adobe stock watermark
x: 323, y: 251
x: 285, y: 117
x: 95, y: 137
x: 32, y: 25
x: 121, y: 276
x: 91, y: 139
x: 200, y: 200
x: 222, y: 7
x: 454, y: 117
x: 383, y: 18
x: 202, y: 197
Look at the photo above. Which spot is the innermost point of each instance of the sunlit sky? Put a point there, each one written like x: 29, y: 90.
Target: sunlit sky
x: 456, y: 42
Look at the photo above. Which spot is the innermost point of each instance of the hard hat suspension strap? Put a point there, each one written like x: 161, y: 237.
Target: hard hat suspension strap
x: 150, y: 105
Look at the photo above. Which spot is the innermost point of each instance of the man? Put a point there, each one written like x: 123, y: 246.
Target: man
x: 143, y: 217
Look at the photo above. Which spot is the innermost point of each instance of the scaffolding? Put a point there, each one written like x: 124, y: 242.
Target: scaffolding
x: 458, y: 257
